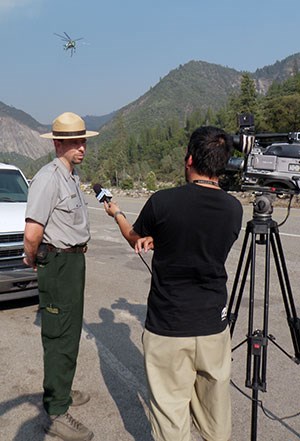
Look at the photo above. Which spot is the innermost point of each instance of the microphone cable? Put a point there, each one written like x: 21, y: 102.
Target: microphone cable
x: 268, y: 413
x: 144, y: 261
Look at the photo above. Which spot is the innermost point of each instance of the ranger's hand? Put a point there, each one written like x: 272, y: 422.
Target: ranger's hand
x: 29, y: 262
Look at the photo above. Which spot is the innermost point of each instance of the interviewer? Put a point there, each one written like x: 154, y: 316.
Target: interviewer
x: 187, y: 340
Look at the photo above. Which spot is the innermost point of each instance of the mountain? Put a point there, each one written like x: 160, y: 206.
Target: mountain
x: 21, y: 117
x: 20, y: 134
x: 96, y: 122
x: 20, y: 139
x: 279, y: 72
x: 196, y: 85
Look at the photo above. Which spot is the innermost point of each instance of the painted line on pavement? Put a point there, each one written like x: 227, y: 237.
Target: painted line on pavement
x: 120, y: 370
x: 281, y: 234
x: 243, y: 228
x: 102, y: 209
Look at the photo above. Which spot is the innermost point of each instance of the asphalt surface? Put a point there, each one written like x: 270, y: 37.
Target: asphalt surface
x: 110, y: 363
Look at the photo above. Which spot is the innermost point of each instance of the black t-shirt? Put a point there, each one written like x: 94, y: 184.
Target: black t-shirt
x: 193, y: 228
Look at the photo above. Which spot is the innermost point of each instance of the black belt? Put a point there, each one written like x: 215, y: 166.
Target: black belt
x: 75, y: 249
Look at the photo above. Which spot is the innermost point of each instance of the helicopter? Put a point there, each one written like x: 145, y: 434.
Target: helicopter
x: 69, y: 43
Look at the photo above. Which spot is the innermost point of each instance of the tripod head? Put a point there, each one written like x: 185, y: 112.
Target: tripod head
x: 263, y: 205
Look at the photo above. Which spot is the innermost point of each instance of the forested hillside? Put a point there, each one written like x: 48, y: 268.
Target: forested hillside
x: 196, y: 85
x: 156, y: 154
x: 145, y: 140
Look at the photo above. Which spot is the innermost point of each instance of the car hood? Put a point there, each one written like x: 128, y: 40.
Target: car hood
x: 12, y: 216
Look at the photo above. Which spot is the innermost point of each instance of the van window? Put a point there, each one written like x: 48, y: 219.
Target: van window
x: 13, y: 187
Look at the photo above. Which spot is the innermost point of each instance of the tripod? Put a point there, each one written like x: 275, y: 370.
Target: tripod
x: 263, y: 231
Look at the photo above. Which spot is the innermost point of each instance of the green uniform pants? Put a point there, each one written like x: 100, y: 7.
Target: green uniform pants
x: 61, y: 280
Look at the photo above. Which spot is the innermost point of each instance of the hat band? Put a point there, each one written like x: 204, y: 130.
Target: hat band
x: 70, y: 134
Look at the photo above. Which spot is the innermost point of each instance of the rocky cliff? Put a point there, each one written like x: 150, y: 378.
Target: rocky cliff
x: 16, y: 137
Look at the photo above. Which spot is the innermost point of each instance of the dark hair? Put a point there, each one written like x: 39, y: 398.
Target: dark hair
x: 210, y: 149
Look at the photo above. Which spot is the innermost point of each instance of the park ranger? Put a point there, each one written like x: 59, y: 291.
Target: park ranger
x: 56, y: 236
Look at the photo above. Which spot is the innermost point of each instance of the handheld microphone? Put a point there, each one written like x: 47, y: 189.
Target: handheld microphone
x: 102, y: 194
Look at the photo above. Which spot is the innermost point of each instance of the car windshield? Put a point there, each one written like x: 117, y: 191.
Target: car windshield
x: 13, y: 187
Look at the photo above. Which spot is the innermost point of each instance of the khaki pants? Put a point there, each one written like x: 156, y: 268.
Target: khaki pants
x: 189, y: 376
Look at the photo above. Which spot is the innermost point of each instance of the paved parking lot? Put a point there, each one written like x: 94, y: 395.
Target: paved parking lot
x: 110, y: 364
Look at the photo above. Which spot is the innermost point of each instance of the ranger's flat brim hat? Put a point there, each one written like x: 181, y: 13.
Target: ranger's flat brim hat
x: 68, y: 125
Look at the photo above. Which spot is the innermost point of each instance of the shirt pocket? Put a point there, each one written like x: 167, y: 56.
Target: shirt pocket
x: 71, y: 209
x: 73, y: 203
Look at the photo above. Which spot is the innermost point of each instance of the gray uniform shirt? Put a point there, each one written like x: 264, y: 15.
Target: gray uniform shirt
x: 56, y: 202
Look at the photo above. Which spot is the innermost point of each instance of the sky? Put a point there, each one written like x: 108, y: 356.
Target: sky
x: 128, y: 46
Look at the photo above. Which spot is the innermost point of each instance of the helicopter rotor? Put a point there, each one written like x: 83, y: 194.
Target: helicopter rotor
x: 62, y: 37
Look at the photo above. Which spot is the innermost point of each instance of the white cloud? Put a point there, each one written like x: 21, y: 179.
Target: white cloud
x: 9, y: 5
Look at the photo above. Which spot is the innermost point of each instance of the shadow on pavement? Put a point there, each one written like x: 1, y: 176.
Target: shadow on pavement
x: 122, y: 368
x: 136, y: 310
x: 32, y: 429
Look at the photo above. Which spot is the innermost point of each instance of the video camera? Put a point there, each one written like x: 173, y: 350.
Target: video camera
x: 271, y: 161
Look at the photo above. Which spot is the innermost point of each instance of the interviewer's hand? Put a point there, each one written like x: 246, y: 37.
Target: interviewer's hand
x: 111, y: 208
x: 144, y: 243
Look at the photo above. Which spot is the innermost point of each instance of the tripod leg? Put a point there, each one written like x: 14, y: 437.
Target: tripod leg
x: 256, y: 366
x: 283, y: 277
x: 265, y: 331
x: 233, y: 316
x: 257, y: 340
x: 257, y: 346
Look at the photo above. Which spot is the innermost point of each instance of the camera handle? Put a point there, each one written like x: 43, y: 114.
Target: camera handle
x: 264, y: 231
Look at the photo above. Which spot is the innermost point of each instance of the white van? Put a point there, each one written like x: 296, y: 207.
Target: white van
x: 16, y: 279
